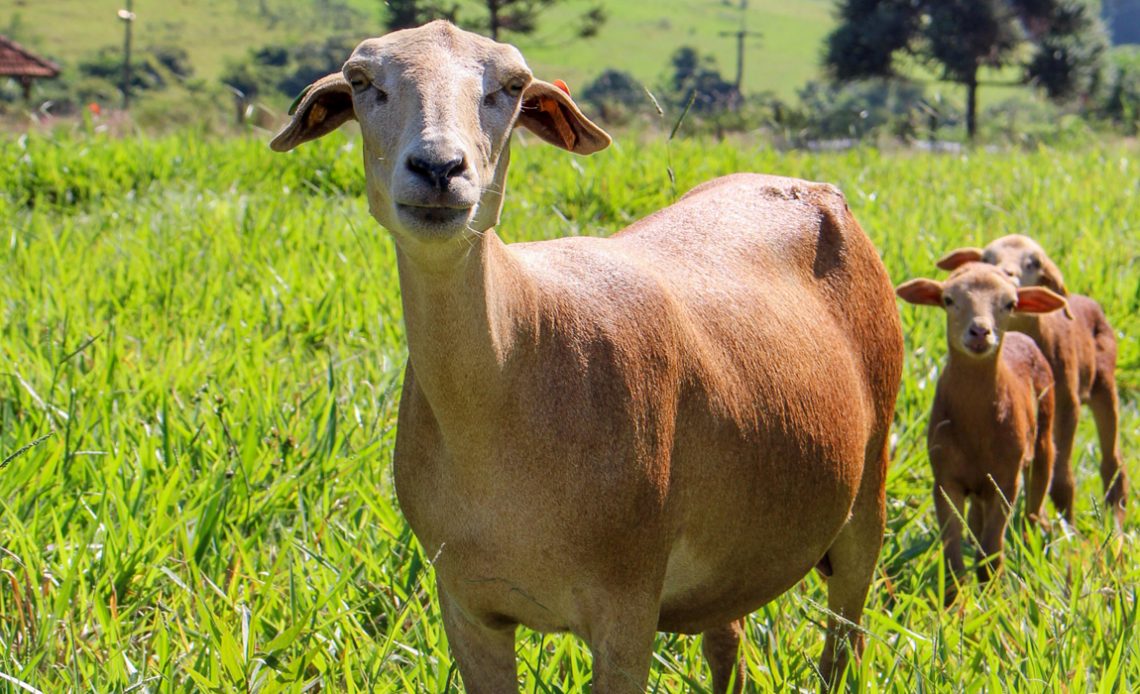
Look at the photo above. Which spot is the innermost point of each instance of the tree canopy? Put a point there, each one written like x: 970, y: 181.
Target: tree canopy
x: 493, y: 17
x: 1057, y: 44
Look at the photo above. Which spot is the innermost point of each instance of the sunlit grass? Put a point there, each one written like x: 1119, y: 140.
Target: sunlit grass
x: 210, y: 337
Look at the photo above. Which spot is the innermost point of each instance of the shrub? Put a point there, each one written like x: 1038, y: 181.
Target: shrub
x: 616, y: 97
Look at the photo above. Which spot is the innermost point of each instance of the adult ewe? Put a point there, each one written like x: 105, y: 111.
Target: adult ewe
x: 662, y: 430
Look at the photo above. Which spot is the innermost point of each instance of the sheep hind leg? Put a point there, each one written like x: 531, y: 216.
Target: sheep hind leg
x: 852, y: 558
x: 1106, y: 411
x: 721, y: 647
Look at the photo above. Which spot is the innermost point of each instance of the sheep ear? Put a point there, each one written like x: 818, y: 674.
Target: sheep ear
x: 922, y: 292
x: 954, y: 259
x: 550, y: 113
x: 1051, y: 277
x: 1040, y: 300
x: 324, y: 106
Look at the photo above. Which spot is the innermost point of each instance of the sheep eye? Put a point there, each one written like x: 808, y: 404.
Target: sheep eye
x: 358, y: 82
x: 514, y: 89
x: 1009, y: 306
x: 947, y: 301
x: 1033, y: 263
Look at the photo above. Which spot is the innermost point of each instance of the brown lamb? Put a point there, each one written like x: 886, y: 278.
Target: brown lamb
x: 1080, y: 346
x: 992, y: 413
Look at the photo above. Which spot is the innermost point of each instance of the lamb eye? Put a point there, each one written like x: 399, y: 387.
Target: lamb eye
x: 514, y: 88
x: 1009, y: 305
x: 1033, y: 263
x: 947, y: 301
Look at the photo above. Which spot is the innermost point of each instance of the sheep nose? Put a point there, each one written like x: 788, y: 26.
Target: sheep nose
x: 979, y: 332
x: 438, y: 173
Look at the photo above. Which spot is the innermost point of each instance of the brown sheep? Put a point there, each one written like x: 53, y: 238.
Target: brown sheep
x: 1081, y: 348
x: 992, y: 413
x: 615, y: 436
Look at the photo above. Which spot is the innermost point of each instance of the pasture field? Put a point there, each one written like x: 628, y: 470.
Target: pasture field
x: 215, y: 31
x: 209, y: 335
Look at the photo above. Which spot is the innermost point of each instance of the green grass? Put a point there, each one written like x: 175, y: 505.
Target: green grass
x: 210, y: 336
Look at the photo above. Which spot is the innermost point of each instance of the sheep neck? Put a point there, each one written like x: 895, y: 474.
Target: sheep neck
x: 458, y: 308
x: 978, y: 385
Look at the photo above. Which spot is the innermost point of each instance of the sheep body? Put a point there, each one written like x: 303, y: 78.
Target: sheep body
x: 616, y: 436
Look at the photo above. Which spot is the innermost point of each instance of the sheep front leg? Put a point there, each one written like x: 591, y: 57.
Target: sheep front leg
x: 998, y: 501
x: 1064, y: 430
x: 721, y: 648
x: 485, y: 655
x: 949, y: 504
x: 1044, y: 460
x: 622, y: 646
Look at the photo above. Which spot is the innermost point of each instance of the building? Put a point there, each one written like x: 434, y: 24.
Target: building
x: 24, y: 66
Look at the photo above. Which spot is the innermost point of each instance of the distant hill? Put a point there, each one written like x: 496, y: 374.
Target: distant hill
x: 639, y: 37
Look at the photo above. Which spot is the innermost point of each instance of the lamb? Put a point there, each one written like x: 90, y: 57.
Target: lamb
x: 615, y: 436
x: 1081, y: 349
x: 992, y: 413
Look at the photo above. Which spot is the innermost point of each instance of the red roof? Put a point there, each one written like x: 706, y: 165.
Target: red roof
x: 17, y: 61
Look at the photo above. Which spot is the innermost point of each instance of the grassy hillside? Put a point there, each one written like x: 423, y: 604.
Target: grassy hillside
x: 209, y: 335
x: 639, y: 37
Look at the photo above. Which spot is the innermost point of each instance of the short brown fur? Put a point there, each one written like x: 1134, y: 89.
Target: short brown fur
x: 1081, y: 350
x: 992, y: 412
x: 615, y: 436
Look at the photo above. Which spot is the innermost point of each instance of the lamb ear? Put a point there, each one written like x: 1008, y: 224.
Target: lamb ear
x: 550, y: 113
x: 955, y: 259
x: 322, y: 107
x: 922, y: 292
x: 1040, y: 300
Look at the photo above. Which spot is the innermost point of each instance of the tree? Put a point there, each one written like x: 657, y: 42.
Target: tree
x: 1058, y: 44
x: 499, y: 16
x: 696, y: 79
x: 405, y: 14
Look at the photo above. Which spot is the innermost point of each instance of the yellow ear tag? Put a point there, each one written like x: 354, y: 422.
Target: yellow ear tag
x: 317, y: 114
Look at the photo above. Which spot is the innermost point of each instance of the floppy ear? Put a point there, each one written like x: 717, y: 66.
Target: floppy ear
x: 955, y: 259
x: 324, y: 106
x: 1051, y: 277
x: 922, y: 292
x: 1040, y: 300
x: 550, y: 113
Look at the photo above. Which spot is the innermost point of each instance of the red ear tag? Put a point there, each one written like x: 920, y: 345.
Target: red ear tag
x: 562, y: 85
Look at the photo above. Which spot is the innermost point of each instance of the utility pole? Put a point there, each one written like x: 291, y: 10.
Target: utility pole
x: 128, y: 18
x: 741, y: 34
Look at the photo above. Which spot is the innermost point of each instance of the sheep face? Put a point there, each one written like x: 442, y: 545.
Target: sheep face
x: 1019, y: 257
x: 979, y: 300
x: 436, y: 107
